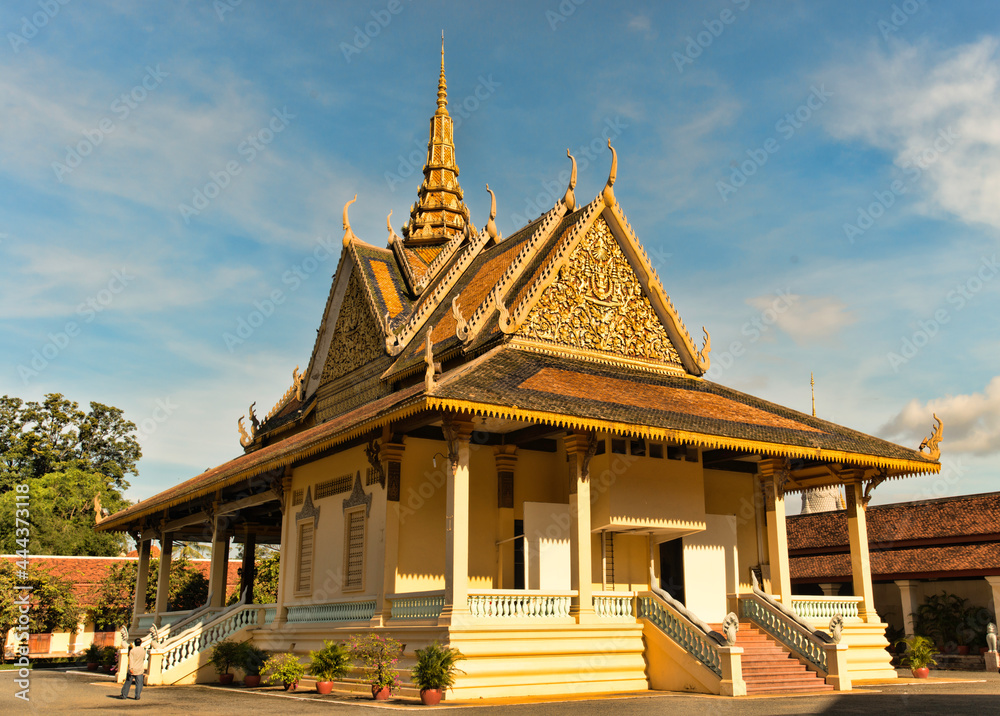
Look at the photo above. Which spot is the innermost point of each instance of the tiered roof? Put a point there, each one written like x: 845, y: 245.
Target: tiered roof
x: 565, y: 322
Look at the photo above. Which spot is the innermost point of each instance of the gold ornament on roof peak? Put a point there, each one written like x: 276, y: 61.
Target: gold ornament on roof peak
x: 609, y: 193
x: 931, y: 443
x: 569, y: 198
x: 348, y: 234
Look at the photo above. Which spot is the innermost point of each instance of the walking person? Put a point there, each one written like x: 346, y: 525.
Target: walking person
x: 136, y: 669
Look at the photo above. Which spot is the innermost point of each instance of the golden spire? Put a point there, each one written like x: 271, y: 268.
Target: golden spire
x: 442, y: 84
x: 812, y: 386
x: 439, y: 213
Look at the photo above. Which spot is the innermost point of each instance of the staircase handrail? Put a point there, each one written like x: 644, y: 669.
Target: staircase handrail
x: 786, y: 626
x: 183, y: 646
x: 682, y: 627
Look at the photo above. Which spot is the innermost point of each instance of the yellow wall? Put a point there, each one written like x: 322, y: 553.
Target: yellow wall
x: 634, y: 491
x: 328, y: 541
x: 732, y: 493
x: 422, y: 497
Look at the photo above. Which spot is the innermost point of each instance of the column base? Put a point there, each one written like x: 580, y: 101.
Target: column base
x: 452, y: 616
x: 583, y: 615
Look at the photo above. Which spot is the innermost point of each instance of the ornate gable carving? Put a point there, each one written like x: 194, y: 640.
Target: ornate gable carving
x: 357, y: 339
x: 596, y: 303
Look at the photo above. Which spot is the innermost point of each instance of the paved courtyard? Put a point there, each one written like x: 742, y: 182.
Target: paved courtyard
x: 54, y: 692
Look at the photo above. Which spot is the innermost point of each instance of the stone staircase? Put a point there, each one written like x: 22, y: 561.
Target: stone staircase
x: 769, y: 669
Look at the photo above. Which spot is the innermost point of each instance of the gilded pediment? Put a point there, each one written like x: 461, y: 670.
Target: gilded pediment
x: 357, y: 339
x: 597, y: 305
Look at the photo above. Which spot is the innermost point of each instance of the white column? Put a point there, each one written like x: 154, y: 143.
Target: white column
x: 392, y: 461
x: 777, y: 534
x: 580, y: 540
x: 141, y: 580
x: 994, y: 583
x: 861, y: 567
x: 456, y: 543
x: 218, y: 574
x: 163, y: 579
x: 908, y: 602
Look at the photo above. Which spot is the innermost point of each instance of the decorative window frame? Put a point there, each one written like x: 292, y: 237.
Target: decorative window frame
x: 348, y: 513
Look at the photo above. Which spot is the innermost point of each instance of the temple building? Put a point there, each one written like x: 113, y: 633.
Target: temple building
x: 510, y: 445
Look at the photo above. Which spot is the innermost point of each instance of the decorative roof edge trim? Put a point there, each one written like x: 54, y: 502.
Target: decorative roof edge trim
x: 279, y: 461
x: 680, y: 436
x: 555, y: 349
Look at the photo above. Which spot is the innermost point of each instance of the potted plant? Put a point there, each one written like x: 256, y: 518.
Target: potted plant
x: 225, y: 655
x: 379, y: 654
x: 92, y: 656
x: 283, y: 669
x: 109, y: 659
x: 435, y: 671
x: 252, y: 659
x: 329, y: 664
x: 919, y: 655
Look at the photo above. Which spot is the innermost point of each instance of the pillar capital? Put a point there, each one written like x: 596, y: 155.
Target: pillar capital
x: 392, y: 451
x: 577, y: 442
x: 505, y: 457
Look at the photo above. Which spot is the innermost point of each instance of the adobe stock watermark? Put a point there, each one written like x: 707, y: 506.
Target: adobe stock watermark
x: 161, y: 413
x: 900, y: 15
x: 959, y: 297
x: 326, y: 247
x: 562, y: 12
x: 700, y: 42
x: 30, y: 26
x: 553, y: 190
x: 753, y: 330
x: 223, y: 7
x: 122, y: 107
x: 249, y: 149
x: 88, y: 311
x: 459, y: 110
x: 787, y: 126
x: 363, y: 35
x: 913, y: 168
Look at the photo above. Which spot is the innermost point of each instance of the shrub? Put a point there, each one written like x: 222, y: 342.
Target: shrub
x: 226, y: 654
x: 379, y: 655
x: 330, y: 663
x: 282, y: 669
x: 436, y: 667
x: 920, y: 652
x: 109, y: 656
x: 92, y: 655
x: 252, y: 658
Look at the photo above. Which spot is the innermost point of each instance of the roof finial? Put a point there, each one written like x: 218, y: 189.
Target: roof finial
x: 812, y: 386
x: 491, y: 225
x: 442, y: 85
x: 348, y: 234
x: 569, y: 198
x: 609, y: 193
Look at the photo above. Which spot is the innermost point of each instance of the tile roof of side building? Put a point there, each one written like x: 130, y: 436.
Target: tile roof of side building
x: 945, y: 537
x: 86, y: 573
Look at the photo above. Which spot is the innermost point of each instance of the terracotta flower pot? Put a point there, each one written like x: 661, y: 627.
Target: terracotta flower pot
x: 922, y: 673
x: 381, y: 694
x: 291, y: 686
x: 91, y: 666
x: 963, y: 650
x: 324, y: 687
x: 430, y: 697
x: 251, y: 681
x: 225, y: 679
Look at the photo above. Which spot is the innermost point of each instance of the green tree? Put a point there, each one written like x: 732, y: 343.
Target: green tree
x: 265, y: 585
x: 115, y: 594
x: 60, y: 513
x: 56, y: 434
x: 53, y: 605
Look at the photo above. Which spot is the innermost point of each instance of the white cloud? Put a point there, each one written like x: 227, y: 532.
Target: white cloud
x: 805, y: 318
x: 971, y: 422
x: 938, y: 114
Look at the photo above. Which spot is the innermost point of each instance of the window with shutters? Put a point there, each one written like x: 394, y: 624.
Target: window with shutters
x: 303, y: 572
x: 354, y: 557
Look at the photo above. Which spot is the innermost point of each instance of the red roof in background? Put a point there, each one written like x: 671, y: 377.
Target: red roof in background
x: 154, y: 551
x: 950, y: 536
x: 86, y: 573
x: 948, y: 517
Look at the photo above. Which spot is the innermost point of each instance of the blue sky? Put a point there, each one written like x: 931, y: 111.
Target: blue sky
x: 816, y: 183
